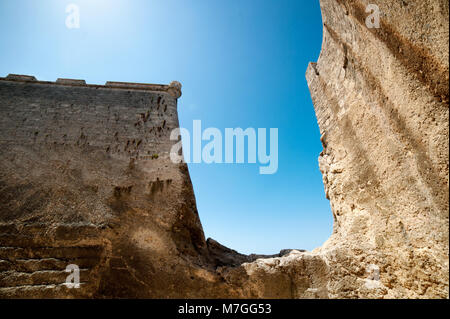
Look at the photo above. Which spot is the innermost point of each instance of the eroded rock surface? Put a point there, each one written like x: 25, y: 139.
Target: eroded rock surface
x: 382, y: 104
x: 86, y: 179
x: 381, y: 99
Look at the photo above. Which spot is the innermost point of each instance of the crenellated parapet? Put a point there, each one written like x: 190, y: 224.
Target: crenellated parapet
x: 174, y: 88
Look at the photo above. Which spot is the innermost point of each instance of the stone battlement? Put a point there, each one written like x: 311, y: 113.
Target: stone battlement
x: 174, y: 88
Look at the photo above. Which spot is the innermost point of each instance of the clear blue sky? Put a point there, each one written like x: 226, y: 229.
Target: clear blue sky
x: 241, y: 63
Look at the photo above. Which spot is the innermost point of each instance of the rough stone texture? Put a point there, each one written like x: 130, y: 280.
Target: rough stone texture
x: 85, y: 178
x: 382, y: 104
x: 381, y: 99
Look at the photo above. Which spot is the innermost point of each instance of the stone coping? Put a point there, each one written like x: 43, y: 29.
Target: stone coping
x: 174, y: 88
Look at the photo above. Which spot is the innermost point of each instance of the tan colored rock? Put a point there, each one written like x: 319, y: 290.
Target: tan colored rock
x: 381, y: 99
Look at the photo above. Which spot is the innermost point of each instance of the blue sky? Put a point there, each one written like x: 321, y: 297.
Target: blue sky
x: 241, y: 63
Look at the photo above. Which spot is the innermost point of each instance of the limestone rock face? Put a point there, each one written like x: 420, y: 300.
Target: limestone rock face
x: 382, y: 104
x: 86, y: 179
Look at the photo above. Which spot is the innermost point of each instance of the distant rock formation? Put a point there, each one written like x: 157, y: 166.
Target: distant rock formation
x: 86, y: 178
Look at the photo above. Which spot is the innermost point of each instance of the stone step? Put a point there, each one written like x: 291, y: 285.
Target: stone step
x: 42, y: 291
x: 65, y: 253
x: 43, y: 277
x: 30, y: 265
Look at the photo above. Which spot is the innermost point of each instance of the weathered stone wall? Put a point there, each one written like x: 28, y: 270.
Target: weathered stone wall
x: 123, y: 122
x: 86, y: 179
